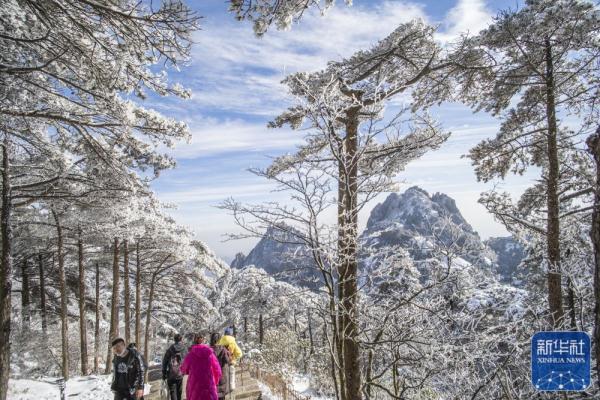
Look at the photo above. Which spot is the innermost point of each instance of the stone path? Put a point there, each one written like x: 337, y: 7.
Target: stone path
x: 246, y: 386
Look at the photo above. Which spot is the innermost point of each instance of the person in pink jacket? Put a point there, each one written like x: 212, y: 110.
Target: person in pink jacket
x: 203, y: 370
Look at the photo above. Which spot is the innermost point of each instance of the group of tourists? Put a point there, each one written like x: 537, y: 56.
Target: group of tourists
x: 209, y: 367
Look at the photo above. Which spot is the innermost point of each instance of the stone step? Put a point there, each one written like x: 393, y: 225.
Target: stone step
x: 247, y: 388
x: 248, y: 394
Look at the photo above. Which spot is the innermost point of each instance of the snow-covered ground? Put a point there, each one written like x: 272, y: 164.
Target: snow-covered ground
x: 266, y: 392
x: 301, y: 384
x: 82, y: 388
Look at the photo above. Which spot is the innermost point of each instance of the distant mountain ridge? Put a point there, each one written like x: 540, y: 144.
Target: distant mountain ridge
x: 281, y: 254
x: 408, y: 220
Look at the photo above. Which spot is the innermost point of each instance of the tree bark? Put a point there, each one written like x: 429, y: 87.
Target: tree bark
x: 340, y: 315
x: 348, y: 257
x: 571, y: 298
x: 114, y: 309
x: 97, y: 322
x: 25, y: 298
x: 43, y: 295
x: 553, y: 223
x: 261, y: 332
x: 126, y: 309
x: 334, y: 368
x: 295, y: 323
x: 82, y: 320
x: 310, y: 334
x: 7, y: 269
x: 64, y: 327
x: 148, y: 317
x: 138, y: 295
x: 593, y: 144
x: 370, y: 373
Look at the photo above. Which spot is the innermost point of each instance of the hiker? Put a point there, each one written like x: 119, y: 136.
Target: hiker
x: 224, y: 357
x: 203, y: 370
x: 171, y: 367
x: 133, y: 346
x: 228, y: 341
x: 128, y: 372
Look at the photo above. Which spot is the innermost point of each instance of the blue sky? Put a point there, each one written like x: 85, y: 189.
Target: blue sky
x: 235, y: 79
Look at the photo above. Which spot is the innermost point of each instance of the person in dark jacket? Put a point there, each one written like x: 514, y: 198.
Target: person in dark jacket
x: 133, y: 346
x: 171, y: 364
x: 224, y: 357
x: 128, y: 372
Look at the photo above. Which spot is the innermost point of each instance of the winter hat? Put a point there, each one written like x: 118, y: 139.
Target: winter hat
x: 229, y: 331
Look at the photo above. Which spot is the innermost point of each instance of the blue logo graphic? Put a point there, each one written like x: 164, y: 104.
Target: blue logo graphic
x: 560, y: 361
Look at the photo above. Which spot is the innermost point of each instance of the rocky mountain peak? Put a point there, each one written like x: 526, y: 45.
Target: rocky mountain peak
x: 238, y: 261
x: 416, y: 210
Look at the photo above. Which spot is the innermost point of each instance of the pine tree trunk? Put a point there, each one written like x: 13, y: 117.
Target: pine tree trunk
x: 43, y: 295
x: 138, y: 295
x: 310, y: 334
x: 369, y: 373
x: 97, y: 322
x: 295, y: 323
x: 114, y: 309
x: 339, y: 323
x: 333, y: 368
x: 82, y: 319
x: 126, y: 312
x: 64, y: 327
x: 337, y: 349
x: 553, y: 224
x: 571, y: 298
x: 593, y: 144
x: 25, y: 299
x: 347, y: 250
x: 261, y: 332
x: 148, y: 317
x: 6, y: 271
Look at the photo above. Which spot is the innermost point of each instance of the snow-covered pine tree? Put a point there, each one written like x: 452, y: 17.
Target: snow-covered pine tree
x: 353, y: 141
x: 593, y: 143
x: 281, y: 13
x: 344, y: 106
x: 64, y: 72
x: 541, y: 70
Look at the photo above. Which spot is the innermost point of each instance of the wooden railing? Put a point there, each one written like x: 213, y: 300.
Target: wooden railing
x: 278, y: 386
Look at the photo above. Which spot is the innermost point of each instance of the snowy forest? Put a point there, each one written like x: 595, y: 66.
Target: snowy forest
x: 408, y: 302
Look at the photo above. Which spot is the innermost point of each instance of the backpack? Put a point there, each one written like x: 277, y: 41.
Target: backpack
x: 175, y: 367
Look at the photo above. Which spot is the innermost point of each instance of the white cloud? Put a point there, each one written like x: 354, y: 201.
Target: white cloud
x: 214, y: 195
x: 467, y: 16
x: 235, y: 71
x: 212, y: 137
